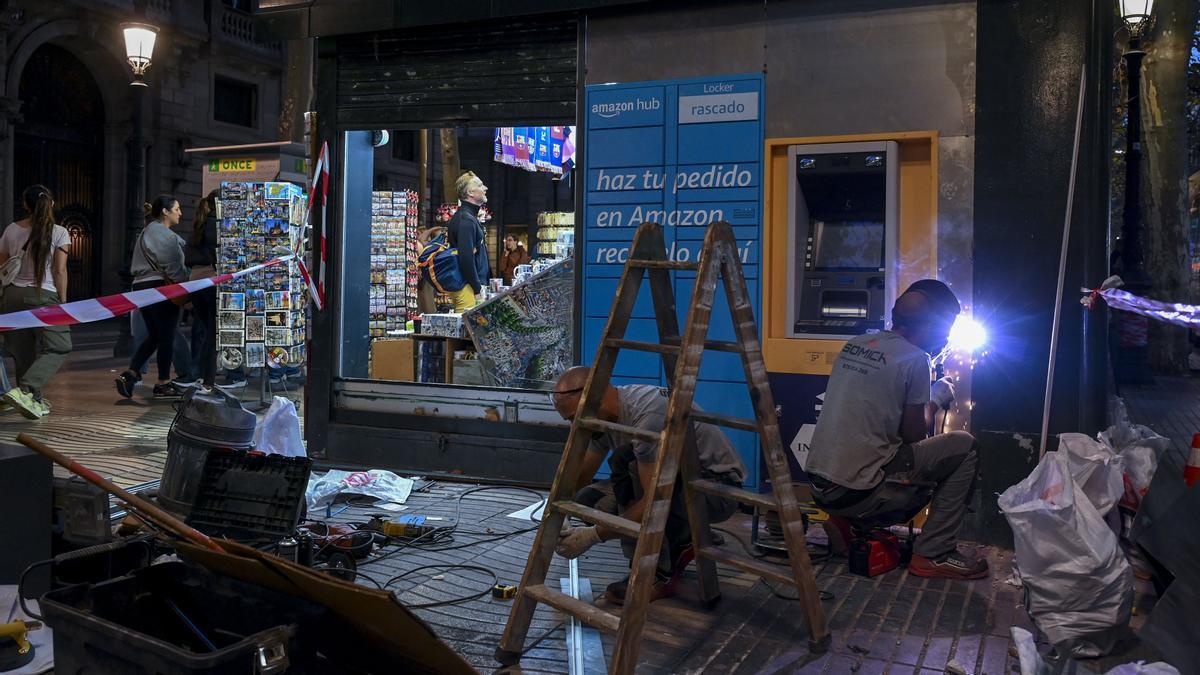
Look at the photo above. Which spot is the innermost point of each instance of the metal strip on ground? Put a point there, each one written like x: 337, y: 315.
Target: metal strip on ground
x: 585, y: 651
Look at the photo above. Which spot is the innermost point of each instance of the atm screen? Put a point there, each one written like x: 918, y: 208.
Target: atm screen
x: 853, y: 245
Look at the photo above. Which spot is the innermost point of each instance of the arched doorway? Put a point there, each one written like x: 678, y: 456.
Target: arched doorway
x: 60, y: 142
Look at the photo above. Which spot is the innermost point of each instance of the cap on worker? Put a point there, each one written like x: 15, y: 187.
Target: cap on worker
x: 939, y: 295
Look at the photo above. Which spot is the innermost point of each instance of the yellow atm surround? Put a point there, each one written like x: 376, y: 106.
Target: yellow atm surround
x: 917, y: 243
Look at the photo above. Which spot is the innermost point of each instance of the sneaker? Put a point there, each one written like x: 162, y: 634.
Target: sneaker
x: 125, y: 383
x: 182, y: 385
x: 231, y: 383
x: 165, y: 390
x: 953, y: 565
x: 24, y: 403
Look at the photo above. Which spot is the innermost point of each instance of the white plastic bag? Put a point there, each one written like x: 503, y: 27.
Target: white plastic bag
x: 1078, y: 585
x: 1143, y: 668
x: 375, y: 483
x: 1096, y: 469
x: 279, y: 431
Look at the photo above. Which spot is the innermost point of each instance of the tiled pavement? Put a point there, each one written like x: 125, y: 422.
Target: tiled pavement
x: 894, y: 623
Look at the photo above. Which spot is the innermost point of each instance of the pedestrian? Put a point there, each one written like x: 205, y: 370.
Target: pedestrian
x: 157, y: 261
x: 42, y: 281
x: 466, y: 234
x: 201, y: 256
x: 514, y: 254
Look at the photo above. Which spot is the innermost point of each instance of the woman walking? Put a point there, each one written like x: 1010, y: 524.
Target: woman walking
x: 41, y: 281
x: 157, y: 261
x: 201, y: 256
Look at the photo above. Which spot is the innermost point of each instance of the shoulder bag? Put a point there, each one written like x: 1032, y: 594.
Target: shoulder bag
x: 12, y: 267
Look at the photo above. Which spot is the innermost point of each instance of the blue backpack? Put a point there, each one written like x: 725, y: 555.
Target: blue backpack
x: 438, y: 263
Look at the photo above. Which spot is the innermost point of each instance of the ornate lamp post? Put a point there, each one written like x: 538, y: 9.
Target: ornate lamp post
x: 139, y: 49
x: 1130, y: 364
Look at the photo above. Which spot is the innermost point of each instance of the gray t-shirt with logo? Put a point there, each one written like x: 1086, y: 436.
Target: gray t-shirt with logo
x: 858, y: 430
x: 645, y: 407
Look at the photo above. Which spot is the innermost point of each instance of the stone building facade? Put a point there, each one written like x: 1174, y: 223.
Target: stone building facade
x: 66, y: 104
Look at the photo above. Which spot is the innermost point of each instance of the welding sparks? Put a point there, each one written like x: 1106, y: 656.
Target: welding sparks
x: 967, y: 335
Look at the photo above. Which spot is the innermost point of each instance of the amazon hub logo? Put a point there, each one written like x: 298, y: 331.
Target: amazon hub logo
x: 613, y: 109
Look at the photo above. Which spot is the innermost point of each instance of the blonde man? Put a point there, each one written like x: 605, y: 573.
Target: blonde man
x: 466, y: 233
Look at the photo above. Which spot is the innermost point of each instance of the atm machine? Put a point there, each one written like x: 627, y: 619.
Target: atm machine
x: 842, y: 233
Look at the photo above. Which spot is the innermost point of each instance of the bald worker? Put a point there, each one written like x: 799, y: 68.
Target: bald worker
x: 871, y: 436
x: 632, y: 465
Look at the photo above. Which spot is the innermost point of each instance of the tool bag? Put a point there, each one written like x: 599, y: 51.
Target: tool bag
x: 438, y: 263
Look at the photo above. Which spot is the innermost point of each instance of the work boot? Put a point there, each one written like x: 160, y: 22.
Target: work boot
x: 840, y: 533
x: 665, y: 583
x: 953, y: 565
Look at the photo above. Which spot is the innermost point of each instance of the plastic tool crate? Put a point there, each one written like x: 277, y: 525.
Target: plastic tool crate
x: 250, y: 497
x: 177, y: 618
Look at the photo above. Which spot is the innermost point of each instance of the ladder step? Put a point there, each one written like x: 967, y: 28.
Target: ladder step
x: 776, y: 573
x: 763, y: 501
x: 584, y: 611
x: 596, y: 517
x: 664, y: 264
x: 725, y: 420
x: 714, y: 345
x: 603, y: 427
x: 642, y: 346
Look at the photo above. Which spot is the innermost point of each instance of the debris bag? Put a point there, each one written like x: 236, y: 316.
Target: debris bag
x: 1139, y: 448
x: 1096, y: 468
x: 384, y: 485
x: 279, y: 432
x: 1078, y: 585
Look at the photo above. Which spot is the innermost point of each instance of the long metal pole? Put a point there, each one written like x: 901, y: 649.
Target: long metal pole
x: 1132, y: 268
x: 1062, y: 264
x: 135, y: 197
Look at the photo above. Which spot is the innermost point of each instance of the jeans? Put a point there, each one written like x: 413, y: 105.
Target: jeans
x: 37, y: 352
x: 204, y: 335
x: 949, y: 461
x: 162, y: 327
x: 179, y: 357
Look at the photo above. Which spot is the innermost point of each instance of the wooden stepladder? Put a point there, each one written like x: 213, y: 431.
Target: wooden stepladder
x: 718, y: 262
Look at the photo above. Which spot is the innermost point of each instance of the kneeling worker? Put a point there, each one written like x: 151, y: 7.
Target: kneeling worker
x: 632, y: 466
x: 873, y: 427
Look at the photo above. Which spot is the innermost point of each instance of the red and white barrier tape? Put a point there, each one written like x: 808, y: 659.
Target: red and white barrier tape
x: 318, y: 192
x: 109, y: 306
x: 1171, y: 312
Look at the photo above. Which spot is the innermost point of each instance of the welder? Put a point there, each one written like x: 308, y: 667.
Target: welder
x: 871, y: 455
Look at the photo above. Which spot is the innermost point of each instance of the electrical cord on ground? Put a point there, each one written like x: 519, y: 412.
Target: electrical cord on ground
x: 448, y: 567
x: 823, y: 595
x: 324, y: 567
x: 814, y: 555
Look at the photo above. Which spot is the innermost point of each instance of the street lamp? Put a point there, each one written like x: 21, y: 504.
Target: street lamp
x: 1131, y: 362
x: 139, y: 50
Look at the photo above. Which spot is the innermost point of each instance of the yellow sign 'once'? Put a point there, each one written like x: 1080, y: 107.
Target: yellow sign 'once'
x: 232, y: 165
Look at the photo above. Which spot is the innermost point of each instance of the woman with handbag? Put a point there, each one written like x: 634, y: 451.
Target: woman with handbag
x: 201, y: 256
x: 33, y: 269
x: 157, y: 261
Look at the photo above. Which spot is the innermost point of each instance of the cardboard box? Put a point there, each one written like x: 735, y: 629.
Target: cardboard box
x: 392, y: 360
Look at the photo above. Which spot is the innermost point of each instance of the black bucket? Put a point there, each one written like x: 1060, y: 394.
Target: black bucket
x: 204, y: 421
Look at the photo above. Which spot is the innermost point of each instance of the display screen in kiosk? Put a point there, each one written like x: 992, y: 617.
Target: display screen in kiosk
x: 842, y: 231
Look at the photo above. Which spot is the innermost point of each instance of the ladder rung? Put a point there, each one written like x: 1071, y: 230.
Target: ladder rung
x: 715, y: 345
x: 624, y: 526
x: 763, y: 501
x: 665, y: 264
x: 777, y: 573
x: 642, y: 346
x: 725, y: 420
x: 611, y: 427
x: 584, y: 611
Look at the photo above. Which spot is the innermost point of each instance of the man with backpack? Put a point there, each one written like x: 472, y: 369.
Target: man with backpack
x: 465, y: 234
